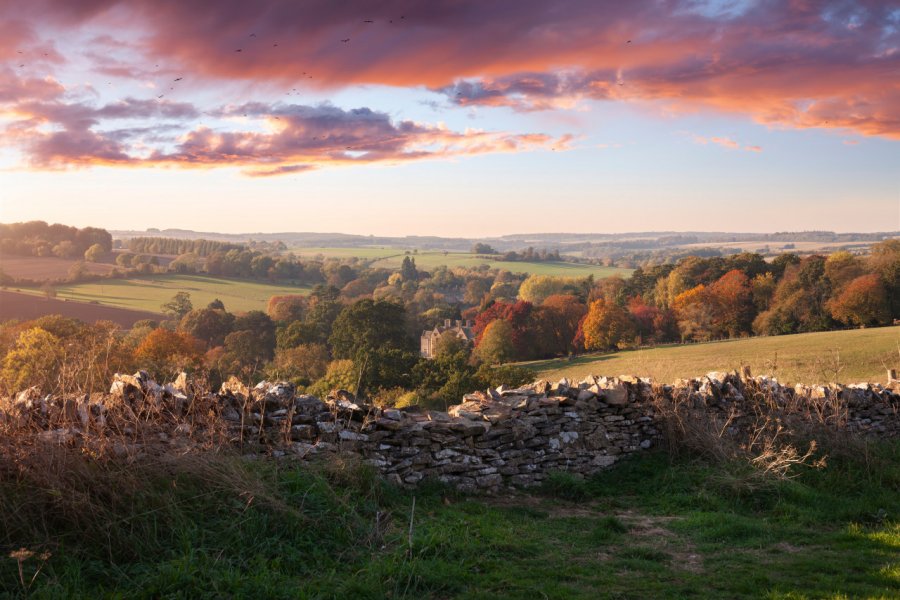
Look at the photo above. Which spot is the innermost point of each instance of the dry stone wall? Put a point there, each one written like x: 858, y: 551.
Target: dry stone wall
x: 496, y: 438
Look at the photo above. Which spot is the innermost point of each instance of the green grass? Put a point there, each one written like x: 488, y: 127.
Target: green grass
x: 148, y: 293
x: 649, y: 528
x: 845, y: 356
x: 391, y: 258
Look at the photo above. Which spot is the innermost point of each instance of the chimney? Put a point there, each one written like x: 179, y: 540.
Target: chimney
x: 447, y: 323
x: 458, y: 323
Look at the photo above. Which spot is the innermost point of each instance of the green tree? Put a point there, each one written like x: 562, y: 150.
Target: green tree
x: 496, y: 345
x: 178, y: 306
x: 208, y: 324
x: 408, y: 269
x: 368, y: 325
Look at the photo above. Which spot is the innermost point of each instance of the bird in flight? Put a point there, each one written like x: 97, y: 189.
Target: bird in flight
x: 239, y: 50
x: 346, y: 40
x: 252, y: 35
x: 161, y: 95
x: 368, y: 21
x: 628, y: 42
x: 179, y: 78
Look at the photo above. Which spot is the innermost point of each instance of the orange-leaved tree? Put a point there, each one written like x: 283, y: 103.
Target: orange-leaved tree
x: 863, y: 302
x: 163, y: 353
x: 607, y: 326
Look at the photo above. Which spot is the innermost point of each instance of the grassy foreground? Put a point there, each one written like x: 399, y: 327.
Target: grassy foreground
x: 845, y: 356
x: 218, y: 526
x: 148, y: 293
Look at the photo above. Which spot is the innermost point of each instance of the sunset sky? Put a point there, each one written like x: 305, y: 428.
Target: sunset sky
x: 451, y: 117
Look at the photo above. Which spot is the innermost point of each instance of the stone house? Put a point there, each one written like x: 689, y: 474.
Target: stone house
x: 462, y: 329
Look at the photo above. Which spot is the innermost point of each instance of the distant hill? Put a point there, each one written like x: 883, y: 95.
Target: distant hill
x: 565, y: 242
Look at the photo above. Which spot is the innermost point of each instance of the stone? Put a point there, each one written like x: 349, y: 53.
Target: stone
x: 616, y: 395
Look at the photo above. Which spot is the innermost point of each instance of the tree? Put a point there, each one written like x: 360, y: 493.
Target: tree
x: 556, y: 324
x: 164, y: 353
x: 694, y: 312
x: 606, y: 326
x: 841, y: 268
x: 208, y: 324
x: 245, y: 352
x: 496, y: 344
x: 262, y: 328
x: 408, y: 269
x: 762, y: 288
x: 77, y: 271
x: 448, y: 344
x: 303, y: 364
x: 368, y: 325
x: 340, y: 375
x: 538, y: 288
x: 373, y: 334
x: 284, y: 309
x: 732, y: 303
x: 863, y: 302
x: 178, y: 306
x: 482, y: 248
x: 34, y: 360
x: 94, y: 253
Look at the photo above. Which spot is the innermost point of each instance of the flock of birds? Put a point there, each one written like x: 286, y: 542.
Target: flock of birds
x: 293, y: 91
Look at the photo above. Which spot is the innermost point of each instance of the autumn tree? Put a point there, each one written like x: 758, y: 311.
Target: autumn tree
x: 863, y: 302
x: 164, y: 353
x: 606, y: 326
x: 556, y: 323
x: 841, y: 268
x: 285, y: 309
x: 732, y: 303
x: 694, y: 313
x: 35, y: 359
x: 496, y: 344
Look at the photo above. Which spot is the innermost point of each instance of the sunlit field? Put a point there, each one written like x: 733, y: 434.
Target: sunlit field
x: 843, y: 356
x: 148, y: 293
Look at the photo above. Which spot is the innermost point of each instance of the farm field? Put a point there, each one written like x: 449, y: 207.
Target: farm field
x: 46, y: 268
x: 362, y: 252
x: 150, y: 292
x: 431, y: 260
x: 844, y: 356
x: 14, y: 305
x: 387, y: 257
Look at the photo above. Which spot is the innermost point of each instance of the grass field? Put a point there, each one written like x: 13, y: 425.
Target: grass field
x: 844, y: 356
x: 150, y: 292
x: 391, y: 258
x: 431, y: 260
x: 649, y: 528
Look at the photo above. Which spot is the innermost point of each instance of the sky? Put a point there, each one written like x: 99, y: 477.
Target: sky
x: 451, y: 117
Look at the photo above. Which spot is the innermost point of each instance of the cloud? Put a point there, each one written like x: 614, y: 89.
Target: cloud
x: 724, y: 142
x: 268, y: 139
x: 796, y: 64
